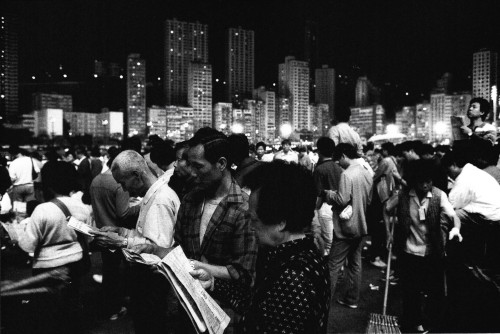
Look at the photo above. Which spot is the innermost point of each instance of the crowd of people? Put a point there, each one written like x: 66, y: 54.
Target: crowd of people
x: 269, y: 234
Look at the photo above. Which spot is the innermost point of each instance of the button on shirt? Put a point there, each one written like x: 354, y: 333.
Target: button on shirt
x: 475, y: 191
x: 157, y: 216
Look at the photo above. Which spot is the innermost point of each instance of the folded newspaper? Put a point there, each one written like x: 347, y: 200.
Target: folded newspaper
x: 204, y: 312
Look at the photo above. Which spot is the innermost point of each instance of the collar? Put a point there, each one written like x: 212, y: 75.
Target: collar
x: 285, y: 250
x: 153, y: 189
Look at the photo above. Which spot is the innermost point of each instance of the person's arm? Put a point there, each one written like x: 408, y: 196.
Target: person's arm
x: 244, y: 251
x: 30, y: 238
x: 124, y: 211
x: 12, y: 172
x: 343, y: 195
x: 448, y: 215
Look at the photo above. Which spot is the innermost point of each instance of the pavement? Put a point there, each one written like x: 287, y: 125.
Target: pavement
x: 341, y: 319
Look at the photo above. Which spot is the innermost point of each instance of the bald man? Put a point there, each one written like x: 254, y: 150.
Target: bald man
x: 151, y: 295
x: 159, y: 206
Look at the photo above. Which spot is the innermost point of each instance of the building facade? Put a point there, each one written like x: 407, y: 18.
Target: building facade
x: 422, y: 112
x: 49, y: 122
x: 223, y: 117
x: 294, y: 85
x: 368, y: 121
x: 9, y: 62
x: 240, y: 64
x: 42, y: 101
x: 185, y: 42
x: 442, y: 107
x: 157, y: 121
x: 135, y: 124
x: 325, y: 88
x: 406, y: 120
x: 484, y: 73
x: 200, y: 93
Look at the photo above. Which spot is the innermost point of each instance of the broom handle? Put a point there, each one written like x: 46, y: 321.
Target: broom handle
x: 388, y: 269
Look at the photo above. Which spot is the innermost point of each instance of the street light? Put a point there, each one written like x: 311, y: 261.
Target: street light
x: 286, y: 130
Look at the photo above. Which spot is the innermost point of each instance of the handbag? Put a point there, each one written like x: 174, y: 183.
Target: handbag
x: 80, y: 237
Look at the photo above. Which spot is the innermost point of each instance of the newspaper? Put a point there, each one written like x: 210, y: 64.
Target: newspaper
x: 456, y: 124
x: 203, y: 310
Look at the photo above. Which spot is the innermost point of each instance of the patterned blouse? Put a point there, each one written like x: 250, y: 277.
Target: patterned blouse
x: 293, y: 295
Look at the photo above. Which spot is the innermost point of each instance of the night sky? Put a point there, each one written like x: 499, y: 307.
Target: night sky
x: 411, y: 43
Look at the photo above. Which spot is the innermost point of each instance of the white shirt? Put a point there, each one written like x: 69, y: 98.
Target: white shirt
x: 20, y: 170
x: 291, y: 156
x: 343, y: 133
x: 476, y: 191
x: 157, y: 216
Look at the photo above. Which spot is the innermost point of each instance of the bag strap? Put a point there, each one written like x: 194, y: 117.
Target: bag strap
x: 63, y: 207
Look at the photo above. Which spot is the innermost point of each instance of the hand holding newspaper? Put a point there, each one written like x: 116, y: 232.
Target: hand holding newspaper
x: 203, y: 310
x: 80, y: 226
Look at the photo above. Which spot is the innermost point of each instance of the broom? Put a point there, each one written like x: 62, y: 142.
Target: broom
x: 383, y: 323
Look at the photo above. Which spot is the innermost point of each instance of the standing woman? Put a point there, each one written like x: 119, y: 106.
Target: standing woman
x: 47, y: 235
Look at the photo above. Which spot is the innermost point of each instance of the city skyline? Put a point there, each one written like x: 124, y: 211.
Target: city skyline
x: 409, y: 43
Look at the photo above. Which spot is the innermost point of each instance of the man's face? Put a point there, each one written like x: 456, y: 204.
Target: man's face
x: 423, y: 187
x: 474, y: 110
x: 286, y: 148
x: 131, y: 182
x: 206, y: 175
x: 260, y: 151
x: 181, y: 166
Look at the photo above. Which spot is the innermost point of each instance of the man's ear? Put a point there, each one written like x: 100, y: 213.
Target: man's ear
x: 282, y: 226
x: 222, y: 163
x: 136, y: 174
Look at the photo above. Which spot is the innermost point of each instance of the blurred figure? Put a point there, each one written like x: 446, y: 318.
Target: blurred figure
x: 343, y: 133
x: 286, y: 154
x: 53, y: 242
x: 261, y: 154
x: 182, y: 180
x: 153, y: 141
x: 163, y: 155
x: 304, y: 159
x: 239, y: 148
x: 21, y: 172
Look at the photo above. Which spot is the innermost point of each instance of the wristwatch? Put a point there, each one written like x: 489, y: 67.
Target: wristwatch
x: 124, y: 243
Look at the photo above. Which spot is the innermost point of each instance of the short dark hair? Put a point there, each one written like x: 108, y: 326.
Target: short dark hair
x: 409, y: 145
x: 286, y: 141
x: 260, y: 144
x: 59, y: 177
x: 389, y: 147
x: 484, y: 106
x: 287, y: 193
x: 301, y: 148
x: 458, y: 156
x: 345, y: 148
x: 113, y: 152
x: 239, y: 147
x: 417, y: 171
x: 215, y: 144
x: 325, y: 146
x: 162, y: 154
x: 344, y: 116
x: 425, y: 149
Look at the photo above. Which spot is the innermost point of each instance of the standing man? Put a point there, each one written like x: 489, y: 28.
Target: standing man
x: 343, y: 133
x: 326, y: 177
x: 110, y: 204
x: 349, y: 223
x: 214, y: 226
x: 20, y: 171
x: 286, y: 153
x: 151, y: 294
x: 478, y: 130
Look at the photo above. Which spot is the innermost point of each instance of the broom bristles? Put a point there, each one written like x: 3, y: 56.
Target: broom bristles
x: 383, y: 324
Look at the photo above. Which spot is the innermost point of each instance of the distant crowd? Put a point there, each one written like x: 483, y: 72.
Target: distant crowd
x: 270, y: 234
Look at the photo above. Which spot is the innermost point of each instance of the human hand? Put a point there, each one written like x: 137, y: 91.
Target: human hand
x: 161, y: 252
x: 108, y: 239
x: 455, y: 232
x: 389, y: 240
x: 465, y: 129
x: 204, y: 277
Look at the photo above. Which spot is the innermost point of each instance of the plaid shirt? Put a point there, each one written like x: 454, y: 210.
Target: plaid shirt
x: 229, y: 240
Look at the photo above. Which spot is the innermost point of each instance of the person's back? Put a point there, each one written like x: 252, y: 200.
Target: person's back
x: 343, y: 133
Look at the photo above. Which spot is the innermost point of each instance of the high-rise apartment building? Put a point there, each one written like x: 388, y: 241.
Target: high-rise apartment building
x: 484, y: 73
x: 110, y: 124
x: 311, y: 52
x: 283, y: 115
x: 406, y: 121
x: 9, y: 80
x: 179, y: 123
x: 368, y: 121
x: 442, y: 107
x: 53, y: 101
x: 185, y: 42
x: 362, y: 94
x: 157, y: 121
x: 422, y: 112
x: 325, y: 88
x: 84, y: 123
x: 135, y: 124
x: 48, y: 122
x: 269, y: 109
x: 200, y: 93
x: 294, y: 84
x: 240, y: 63
x: 223, y: 117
